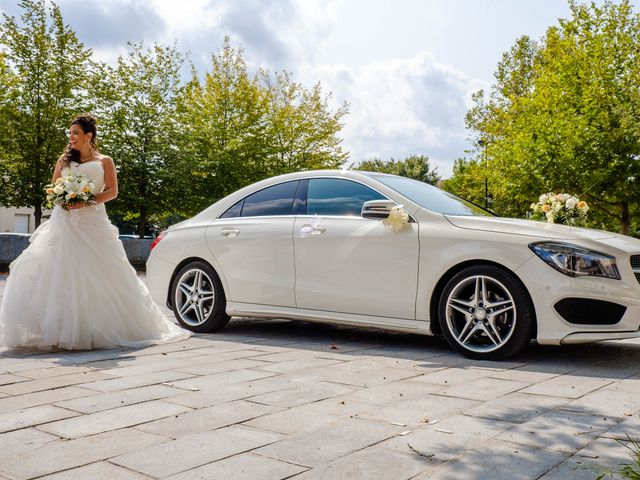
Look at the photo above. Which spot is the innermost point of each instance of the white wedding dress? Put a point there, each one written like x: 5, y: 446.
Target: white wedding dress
x: 73, y: 287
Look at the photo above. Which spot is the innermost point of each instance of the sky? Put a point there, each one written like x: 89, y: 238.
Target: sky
x: 407, y: 68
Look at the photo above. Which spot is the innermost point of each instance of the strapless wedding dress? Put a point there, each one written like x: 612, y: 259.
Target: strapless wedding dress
x: 73, y: 287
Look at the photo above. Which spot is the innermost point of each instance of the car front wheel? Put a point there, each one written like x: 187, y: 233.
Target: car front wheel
x: 486, y: 313
x: 198, y: 298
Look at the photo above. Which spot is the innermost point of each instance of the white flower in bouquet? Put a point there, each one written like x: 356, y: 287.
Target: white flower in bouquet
x: 560, y: 208
x: 70, y: 190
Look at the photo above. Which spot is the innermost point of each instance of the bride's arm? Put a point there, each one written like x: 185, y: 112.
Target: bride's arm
x: 57, y: 172
x: 110, y: 181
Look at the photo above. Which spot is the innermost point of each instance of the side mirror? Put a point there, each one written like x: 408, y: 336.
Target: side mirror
x: 377, y: 209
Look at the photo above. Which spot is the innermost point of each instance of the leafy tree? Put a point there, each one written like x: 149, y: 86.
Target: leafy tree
x: 414, y: 166
x: 225, y: 133
x: 563, y: 116
x: 240, y: 128
x: 467, y: 180
x: 301, y: 128
x: 43, y: 69
x: 136, y: 107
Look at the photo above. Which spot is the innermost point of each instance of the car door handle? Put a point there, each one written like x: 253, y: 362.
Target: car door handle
x: 312, y: 230
x: 230, y: 232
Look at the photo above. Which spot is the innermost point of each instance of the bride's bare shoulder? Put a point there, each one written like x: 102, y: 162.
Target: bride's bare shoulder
x: 104, y: 159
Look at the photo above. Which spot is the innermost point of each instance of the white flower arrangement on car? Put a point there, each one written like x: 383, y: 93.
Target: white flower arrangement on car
x: 70, y: 190
x: 398, y: 218
x: 560, y: 208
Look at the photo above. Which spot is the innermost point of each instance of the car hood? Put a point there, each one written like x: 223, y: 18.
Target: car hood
x: 545, y: 230
x: 529, y: 228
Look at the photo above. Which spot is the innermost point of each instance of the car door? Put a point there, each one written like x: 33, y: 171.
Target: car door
x: 253, y: 245
x: 349, y: 264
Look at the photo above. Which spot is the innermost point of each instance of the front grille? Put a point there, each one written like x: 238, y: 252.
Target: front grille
x: 635, y: 266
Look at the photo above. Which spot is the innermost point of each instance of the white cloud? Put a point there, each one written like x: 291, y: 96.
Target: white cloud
x: 402, y: 107
x: 401, y: 102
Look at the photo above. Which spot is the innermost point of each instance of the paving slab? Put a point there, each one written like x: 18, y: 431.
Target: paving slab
x: 299, y: 393
x: 516, y: 407
x: 53, y: 371
x: 601, y: 457
x: 246, y: 466
x: 420, y: 411
x: 11, y: 403
x: 7, y: 378
x: 560, y: 430
x: 389, y: 394
x: 47, y: 383
x: 486, y: 388
x: 360, y: 373
x: 66, y: 454
x: 448, y: 376
x: 213, y: 394
x: 195, y: 450
x: 449, y: 438
x: 206, y: 419
x: 568, y: 386
x: 629, y: 428
x: 497, y: 460
x: 310, y: 416
x: 106, y: 401
x: 337, y: 440
x: 370, y: 463
x: 607, y: 402
x: 113, y: 419
x: 32, y: 416
x: 18, y: 441
x: 113, y: 384
x: 98, y: 470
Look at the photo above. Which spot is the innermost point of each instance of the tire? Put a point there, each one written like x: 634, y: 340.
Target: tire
x: 198, y: 298
x: 486, y: 313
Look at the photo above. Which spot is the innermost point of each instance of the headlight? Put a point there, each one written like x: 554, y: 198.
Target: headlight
x: 576, y: 261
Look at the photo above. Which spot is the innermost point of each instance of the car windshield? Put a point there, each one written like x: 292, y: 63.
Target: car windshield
x: 430, y: 197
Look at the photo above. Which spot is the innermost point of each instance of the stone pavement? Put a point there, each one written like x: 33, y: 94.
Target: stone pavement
x: 270, y: 400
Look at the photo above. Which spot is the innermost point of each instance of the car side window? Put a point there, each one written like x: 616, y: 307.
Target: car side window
x: 274, y: 200
x: 336, y: 196
x: 233, y: 211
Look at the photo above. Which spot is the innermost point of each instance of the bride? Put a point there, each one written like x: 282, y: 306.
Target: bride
x: 73, y: 287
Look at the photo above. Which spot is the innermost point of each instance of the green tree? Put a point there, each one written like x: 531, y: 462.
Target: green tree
x: 563, y: 116
x: 467, y: 180
x: 302, y: 130
x: 414, y: 166
x: 136, y: 107
x: 225, y: 132
x: 44, y: 73
x: 240, y: 128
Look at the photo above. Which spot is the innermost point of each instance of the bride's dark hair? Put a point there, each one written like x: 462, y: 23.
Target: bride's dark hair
x: 87, y: 123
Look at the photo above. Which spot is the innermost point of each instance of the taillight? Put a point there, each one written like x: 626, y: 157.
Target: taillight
x: 157, y: 240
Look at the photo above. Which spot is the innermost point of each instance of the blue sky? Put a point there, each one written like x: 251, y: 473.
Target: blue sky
x: 406, y: 67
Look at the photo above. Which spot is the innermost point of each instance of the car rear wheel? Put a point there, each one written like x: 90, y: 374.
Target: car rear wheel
x: 486, y: 313
x: 198, y: 298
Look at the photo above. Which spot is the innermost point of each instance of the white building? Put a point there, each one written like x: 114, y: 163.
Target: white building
x: 18, y: 220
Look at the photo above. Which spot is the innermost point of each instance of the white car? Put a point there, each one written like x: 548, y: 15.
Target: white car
x: 314, y: 246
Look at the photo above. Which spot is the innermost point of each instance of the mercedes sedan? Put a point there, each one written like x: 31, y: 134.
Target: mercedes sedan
x: 370, y: 249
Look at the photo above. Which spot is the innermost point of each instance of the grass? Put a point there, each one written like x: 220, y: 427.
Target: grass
x: 629, y: 471
x: 632, y: 470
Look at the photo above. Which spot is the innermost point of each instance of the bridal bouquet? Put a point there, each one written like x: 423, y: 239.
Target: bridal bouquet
x: 560, y: 208
x: 70, y: 190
